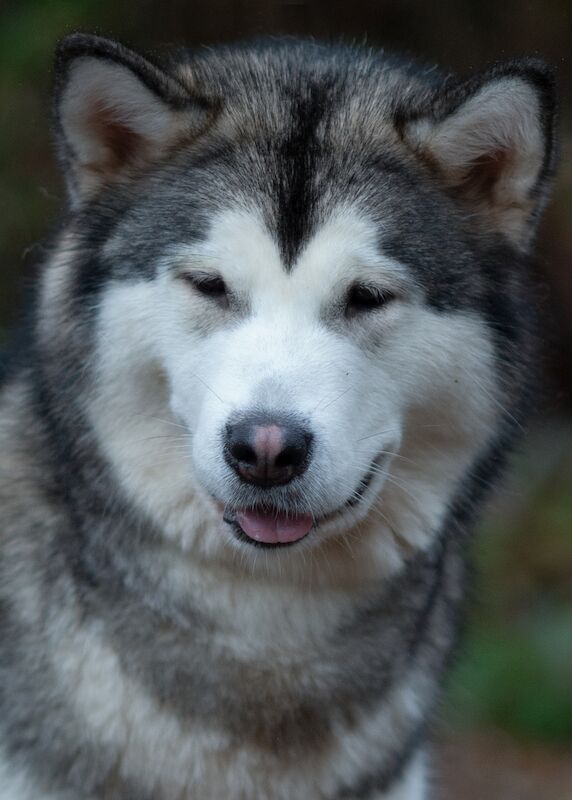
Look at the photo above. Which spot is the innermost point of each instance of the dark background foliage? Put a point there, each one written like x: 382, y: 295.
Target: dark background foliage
x: 516, y: 674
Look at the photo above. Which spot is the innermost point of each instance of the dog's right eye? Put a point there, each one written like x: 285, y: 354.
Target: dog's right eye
x: 208, y: 284
x: 364, y: 297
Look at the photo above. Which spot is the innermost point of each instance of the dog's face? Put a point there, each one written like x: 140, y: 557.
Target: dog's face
x: 293, y: 337
x: 298, y: 386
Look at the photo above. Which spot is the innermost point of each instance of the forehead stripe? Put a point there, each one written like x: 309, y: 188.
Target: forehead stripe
x: 297, y: 156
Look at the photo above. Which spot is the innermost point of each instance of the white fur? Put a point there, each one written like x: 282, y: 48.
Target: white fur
x: 423, y: 393
x: 413, y: 784
x: 16, y: 784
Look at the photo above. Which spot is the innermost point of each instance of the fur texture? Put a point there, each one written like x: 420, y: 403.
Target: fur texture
x: 326, y: 237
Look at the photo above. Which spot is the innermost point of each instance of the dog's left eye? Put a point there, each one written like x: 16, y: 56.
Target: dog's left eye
x: 363, y: 297
x: 208, y: 284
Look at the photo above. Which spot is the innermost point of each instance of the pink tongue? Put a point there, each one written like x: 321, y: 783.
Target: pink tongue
x: 271, y: 528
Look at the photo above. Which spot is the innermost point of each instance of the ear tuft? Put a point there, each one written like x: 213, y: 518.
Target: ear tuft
x: 115, y: 112
x: 491, y: 140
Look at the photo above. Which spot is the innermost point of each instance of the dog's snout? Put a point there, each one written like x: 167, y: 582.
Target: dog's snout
x: 267, y: 450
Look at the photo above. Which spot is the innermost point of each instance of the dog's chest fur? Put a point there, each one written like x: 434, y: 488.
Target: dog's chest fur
x: 254, y: 690
x: 265, y: 721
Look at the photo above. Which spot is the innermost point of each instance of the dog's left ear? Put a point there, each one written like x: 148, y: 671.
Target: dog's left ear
x: 115, y: 113
x: 491, y: 139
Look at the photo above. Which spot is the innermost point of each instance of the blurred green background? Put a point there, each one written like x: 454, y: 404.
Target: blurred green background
x: 515, y: 674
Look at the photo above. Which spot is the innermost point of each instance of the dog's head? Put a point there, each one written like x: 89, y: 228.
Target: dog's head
x: 301, y: 271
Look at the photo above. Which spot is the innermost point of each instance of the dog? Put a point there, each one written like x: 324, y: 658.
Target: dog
x: 280, y: 347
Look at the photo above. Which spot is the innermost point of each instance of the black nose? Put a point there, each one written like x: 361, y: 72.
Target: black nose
x: 267, y: 450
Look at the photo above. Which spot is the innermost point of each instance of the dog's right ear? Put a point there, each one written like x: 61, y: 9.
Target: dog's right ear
x: 115, y: 113
x: 491, y: 140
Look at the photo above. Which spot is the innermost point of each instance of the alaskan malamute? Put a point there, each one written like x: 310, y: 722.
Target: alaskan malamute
x: 281, y: 346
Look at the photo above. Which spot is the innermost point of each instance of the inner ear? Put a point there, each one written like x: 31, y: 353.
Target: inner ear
x: 484, y: 173
x: 120, y: 141
x: 491, y: 142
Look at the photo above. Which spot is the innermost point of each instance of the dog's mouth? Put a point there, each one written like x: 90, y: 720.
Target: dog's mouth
x: 271, y: 528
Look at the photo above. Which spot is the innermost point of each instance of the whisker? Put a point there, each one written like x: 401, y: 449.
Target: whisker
x: 392, y: 430
x: 392, y: 453
x: 492, y: 398
x: 379, y: 433
x: 166, y: 421
x: 335, y: 400
x: 205, y: 384
x: 168, y: 436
